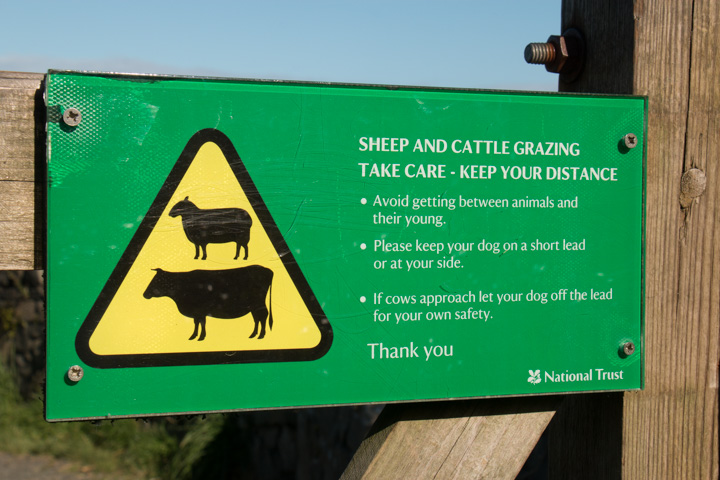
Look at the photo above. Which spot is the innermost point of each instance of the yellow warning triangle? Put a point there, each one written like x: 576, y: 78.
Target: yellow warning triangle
x: 178, y: 295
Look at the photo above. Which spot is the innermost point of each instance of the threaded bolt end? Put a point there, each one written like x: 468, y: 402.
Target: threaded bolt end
x: 540, y: 53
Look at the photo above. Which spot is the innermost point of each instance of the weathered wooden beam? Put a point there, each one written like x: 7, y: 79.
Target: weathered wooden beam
x: 463, y: 439
x: 22, y: 170
x: 669, y: 430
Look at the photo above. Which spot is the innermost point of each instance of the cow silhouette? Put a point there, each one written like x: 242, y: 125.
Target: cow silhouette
x: 223, y: 294
x: 215, y: 225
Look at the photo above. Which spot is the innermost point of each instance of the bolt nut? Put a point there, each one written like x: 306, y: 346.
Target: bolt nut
x: 630, y: 140
x: 563, y: 54
x: 75, y: 373
x: 72, y: 117
x: 628, y: 348
x: 553, y: 54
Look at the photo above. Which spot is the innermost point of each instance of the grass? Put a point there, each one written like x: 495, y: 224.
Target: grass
x: 157, y: 449
x: 174, y: 448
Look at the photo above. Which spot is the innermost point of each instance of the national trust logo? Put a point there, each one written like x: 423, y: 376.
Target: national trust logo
x: 534, y: 377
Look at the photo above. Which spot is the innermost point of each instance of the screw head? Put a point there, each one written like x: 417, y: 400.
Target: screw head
x: 72, y: 117
x: 628, y: 348
x: 630, y: 140
x: 75, y: 373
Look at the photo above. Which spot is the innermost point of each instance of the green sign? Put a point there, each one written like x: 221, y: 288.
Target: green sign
x: 220, y: 245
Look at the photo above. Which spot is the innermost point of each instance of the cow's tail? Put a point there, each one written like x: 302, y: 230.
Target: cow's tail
x: 270, y: 306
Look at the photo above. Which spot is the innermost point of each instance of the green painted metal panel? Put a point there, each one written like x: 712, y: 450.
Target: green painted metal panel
x: 441, y: 243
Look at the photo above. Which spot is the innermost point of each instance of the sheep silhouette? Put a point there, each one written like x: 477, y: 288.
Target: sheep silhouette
x: 215, y: 225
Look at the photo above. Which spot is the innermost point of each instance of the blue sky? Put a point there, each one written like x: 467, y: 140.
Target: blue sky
x: 455, y: 43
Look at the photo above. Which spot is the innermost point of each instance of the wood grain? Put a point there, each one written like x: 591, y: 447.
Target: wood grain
x: 453, y: 440
x: 677, y: 67
x: 22, y: 166
x: 607, y: 27
x: 669, y: 430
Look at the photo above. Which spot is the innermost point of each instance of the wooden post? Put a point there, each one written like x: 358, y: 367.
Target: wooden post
x: 669, y: 52
x: 22, y: 171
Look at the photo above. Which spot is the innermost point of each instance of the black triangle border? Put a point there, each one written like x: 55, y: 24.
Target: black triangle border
x: 82, y: 340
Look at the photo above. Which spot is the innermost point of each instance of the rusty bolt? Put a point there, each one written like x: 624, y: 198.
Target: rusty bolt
x: 539, y: 53
x: 553, y: 54
x: 560, y: 54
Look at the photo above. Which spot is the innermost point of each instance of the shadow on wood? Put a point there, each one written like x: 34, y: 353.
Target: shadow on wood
x: 585, y: 437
